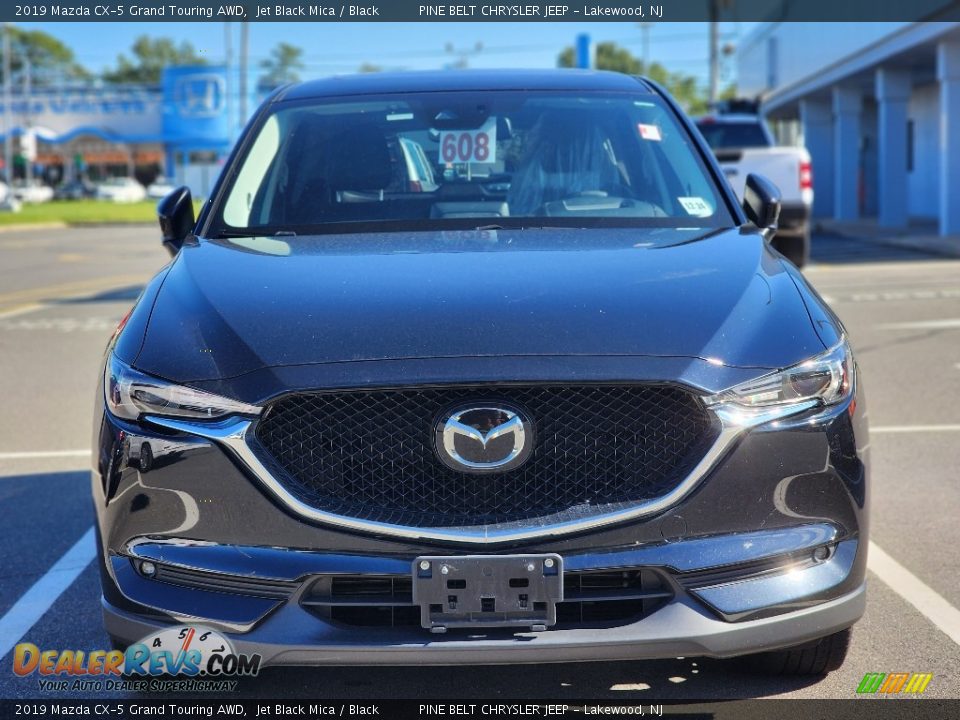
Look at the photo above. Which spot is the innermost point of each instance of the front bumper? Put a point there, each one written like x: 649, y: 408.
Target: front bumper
x: 767, y: 551
x: 682, y: 628
x: 779, y: 591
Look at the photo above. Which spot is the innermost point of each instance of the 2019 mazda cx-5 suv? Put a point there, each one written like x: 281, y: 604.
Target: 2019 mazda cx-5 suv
x: 565, y: 404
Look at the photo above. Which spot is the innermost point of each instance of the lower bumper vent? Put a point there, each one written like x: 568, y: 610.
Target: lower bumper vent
x: 602, y: 598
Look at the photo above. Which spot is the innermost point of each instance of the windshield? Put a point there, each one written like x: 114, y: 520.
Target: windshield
x: 455, y: 159
x: 733, y: 134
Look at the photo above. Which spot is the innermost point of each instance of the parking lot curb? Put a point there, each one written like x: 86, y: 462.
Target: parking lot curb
x: 929, y: 244
x: 33, y: 226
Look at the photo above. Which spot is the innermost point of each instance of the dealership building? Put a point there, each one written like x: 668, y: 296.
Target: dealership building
x: 181, y: 128
x: 878, y: 107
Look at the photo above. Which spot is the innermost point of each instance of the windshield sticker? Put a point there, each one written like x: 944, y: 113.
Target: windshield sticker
x: 696, y: 206
x: 649, y: 132
x: 470, y: 146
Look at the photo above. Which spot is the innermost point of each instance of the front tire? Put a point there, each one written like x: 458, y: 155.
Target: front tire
x: 813, y: 658
x: 146, y: 458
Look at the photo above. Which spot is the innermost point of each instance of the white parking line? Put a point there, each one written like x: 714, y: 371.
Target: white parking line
x: 914, y: 428
x: 946, y: 324
x: 34, y: 603
x: 41, y: 596
x: 924, y: 598
x: 43, y: 454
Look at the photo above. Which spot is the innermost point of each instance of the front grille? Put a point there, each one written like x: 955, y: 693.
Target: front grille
x: 591, y: 597
x: 370, y: 454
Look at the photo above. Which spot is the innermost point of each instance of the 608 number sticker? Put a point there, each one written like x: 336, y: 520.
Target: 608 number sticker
x: 470, y: 146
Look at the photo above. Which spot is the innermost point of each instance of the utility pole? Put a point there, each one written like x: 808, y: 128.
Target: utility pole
x: 714, y: 13
x: 29, y: 155
x: 228, y: 89
x: 645, y: 37
x: 244, y: 57
x: 7, y: 114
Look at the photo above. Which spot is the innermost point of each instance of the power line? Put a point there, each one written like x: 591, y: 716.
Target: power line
x: 336, y: 58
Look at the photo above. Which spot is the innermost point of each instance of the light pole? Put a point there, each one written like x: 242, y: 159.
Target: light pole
x: 28, y: 149
x: 645, y: 37
x: 7, y: 114
x: 244, y: 57
x: 714, y: 12
x: 228, y: 89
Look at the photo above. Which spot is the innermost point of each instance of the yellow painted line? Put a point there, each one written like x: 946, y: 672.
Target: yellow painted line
x: 23, y: 302
x: 64, y: 289
x: 22, y: 310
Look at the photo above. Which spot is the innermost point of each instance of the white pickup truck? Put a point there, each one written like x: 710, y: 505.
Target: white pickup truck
x: 743, y: 145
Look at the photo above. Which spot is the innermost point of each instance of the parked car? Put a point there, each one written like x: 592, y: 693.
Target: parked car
x: 159, y: 188
x: 744, y: 144
x: 586, y: 414
x: 121, y: 190
x: 78, y: 189
x: 32, y: 192
x: 8, y: 203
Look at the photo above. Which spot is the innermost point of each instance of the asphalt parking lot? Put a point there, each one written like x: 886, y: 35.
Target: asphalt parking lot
x: 63, y: 291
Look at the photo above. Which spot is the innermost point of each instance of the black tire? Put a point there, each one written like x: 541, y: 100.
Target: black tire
x: 146, y: 457
x: 813, y: 658
x: 795, y: 248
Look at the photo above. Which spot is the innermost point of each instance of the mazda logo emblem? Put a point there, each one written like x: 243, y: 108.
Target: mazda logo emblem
x: 484, y: 438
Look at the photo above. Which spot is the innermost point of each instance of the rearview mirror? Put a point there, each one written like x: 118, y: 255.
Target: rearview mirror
x: 175, y: 213
x: 761, y: 203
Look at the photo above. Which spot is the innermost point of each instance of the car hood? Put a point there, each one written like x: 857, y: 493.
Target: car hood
x: 230, y: 307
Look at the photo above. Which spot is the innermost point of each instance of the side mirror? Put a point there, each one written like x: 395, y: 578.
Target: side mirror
x: 761, y: 203
x: 175, y: 213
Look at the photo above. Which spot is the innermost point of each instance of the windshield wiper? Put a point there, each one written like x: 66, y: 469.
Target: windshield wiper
x: 254, y: 233
x: 525, y: 227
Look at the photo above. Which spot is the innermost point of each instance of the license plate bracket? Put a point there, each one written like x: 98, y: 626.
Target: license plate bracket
x: 487, y: 590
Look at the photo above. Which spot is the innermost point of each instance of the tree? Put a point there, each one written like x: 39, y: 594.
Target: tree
x: 612, y: 57
x: 282, y: 66
x: 49, y: 59
x: 151, y: 56
x: 369, y: 67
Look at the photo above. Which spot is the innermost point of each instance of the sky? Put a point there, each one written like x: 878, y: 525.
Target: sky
x: 343, y: 47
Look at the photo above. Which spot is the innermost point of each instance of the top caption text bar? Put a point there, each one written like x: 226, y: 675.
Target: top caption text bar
x: 418, y: 10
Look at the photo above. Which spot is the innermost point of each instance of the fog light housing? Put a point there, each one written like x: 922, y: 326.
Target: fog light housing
x: 822, y: 553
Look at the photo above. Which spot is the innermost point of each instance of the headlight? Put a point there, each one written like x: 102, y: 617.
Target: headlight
x: 822, y: 380
x: 130, y: 394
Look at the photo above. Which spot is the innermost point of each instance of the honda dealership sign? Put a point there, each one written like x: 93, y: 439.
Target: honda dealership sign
x: 195, y: 105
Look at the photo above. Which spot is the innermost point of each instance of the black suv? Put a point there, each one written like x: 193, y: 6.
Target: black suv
x: 565, y: 403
